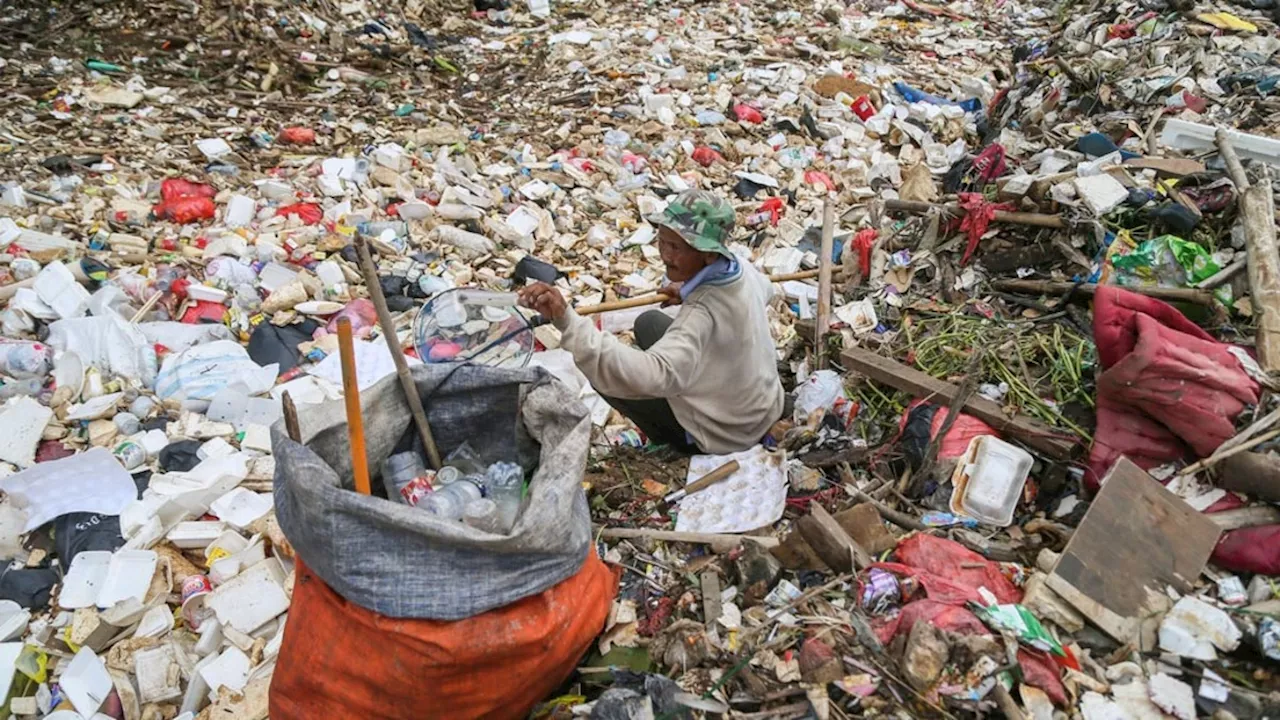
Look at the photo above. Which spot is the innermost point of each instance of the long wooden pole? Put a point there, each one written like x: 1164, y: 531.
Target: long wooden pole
x: 1001, y: 216
x: 1257, y: 210
x: 1048, y: 287
x: 655, y: 298
x: 824, y: 284
x: 388, y: 325
x: 351, y: 395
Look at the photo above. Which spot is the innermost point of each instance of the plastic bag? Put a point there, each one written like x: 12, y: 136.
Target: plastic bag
x: 362, y: 314
x: 1166, y: 261
x: 820, y: 390
x: 201, y: 372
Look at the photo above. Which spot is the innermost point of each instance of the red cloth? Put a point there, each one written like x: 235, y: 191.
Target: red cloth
x: 978, y: 214
x: 1040, y: 671
x: 1167, y: 386
x: 1250, y: 550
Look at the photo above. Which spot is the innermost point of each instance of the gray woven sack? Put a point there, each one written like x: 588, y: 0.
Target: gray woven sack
x: 404, y: 562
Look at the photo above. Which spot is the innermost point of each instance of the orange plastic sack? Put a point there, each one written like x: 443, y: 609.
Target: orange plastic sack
x: 340, y: 660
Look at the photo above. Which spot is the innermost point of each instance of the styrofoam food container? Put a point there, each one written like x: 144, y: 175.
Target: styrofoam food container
x: 988, y: 480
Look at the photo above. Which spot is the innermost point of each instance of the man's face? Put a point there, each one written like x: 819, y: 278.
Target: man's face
x: 682, y: 261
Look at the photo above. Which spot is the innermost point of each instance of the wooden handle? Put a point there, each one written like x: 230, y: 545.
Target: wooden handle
x: 712, y: 477
x: 291, y: 425
x: 388, y: 325
x: 351, y: 394
x: 655, y: 298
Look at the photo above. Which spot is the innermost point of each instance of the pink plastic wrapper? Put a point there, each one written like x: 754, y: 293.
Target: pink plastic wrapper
x: 363, y: 316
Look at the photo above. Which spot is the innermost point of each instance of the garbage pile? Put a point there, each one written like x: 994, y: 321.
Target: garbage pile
x: 1053, y: 291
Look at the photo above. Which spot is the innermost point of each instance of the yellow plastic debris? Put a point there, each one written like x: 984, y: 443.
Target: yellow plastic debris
x: 1227, y: 21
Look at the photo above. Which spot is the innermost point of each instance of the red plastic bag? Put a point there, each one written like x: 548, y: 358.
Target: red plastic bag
x: 746, y: 113
x: 362, y: 314
x: 1040, y: 671
x: 915, y: 436
x: 958, y: 565
x: 951, y: 618
x: 309, y: 213
x: 705, y: 156
x: 182, y: 201
x: 1250, y: 550
x: 339, y: 660
x: 298, y: 136
x: 817, y: 177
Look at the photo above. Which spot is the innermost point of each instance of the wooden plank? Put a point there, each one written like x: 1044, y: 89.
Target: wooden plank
x: 840, y: 552
x: 824, y: 283
x: 881, y: 369
x: 1050, y: 287
x: 1253, y: 474
x: 1245, y: 517
x: 1135, y: 539
x: 1257, y: 212
x: 712, y: 607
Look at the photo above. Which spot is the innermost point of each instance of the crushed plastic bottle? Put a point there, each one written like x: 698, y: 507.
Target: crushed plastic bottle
x: 504, y: 484
x: 22, y: 360
x: 450, y: 501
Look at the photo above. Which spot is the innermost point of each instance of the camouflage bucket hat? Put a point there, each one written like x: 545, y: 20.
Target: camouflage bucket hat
x: 705, y: 220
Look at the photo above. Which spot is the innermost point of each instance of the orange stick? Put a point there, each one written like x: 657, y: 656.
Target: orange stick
x: 351, y: 394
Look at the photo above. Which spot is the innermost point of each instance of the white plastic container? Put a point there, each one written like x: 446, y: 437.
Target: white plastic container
x: 988, y: 480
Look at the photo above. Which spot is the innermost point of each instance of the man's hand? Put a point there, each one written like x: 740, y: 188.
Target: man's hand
x: 672, y: 292
x: 545, y: 299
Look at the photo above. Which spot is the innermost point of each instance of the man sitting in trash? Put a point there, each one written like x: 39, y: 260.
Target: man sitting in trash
x: 707, y: 380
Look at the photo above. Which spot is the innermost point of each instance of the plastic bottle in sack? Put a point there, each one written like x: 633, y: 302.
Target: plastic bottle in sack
x: 399, y: 470
x: 451, y: 501
x: 504, y: 484
x: 483, y: 515
x: 25, y: 359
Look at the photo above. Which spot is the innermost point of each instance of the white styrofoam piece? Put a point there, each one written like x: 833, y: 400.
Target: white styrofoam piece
x: 9, y: 653
x: 13, y: 621
x: 128, y: 577
x: 58, y: 288
x: 103, y: 578
x: 251, y: 599
x: 156, y: 682
x: 1196, y: 137
x: 240, y: 507
x: 84, y: 580
x: 752, y: 497
x: 22, y: 422
x: 155, y: 622
x: 230, y: 670
x: 1172, y: 696
x: 86, y: 682
x: 1101, y: 193
x: 1194, y: 628
x: 193, y: 534
x: 988, y: 480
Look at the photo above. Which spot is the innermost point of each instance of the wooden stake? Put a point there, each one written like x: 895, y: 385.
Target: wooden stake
x: 351, y: 395
x: 388, y: 326
x: 1001, y: 216
x: 1048, y: 287
x: 655, y: 298
x: 1257, y: 210
x: 824, y: 283
x: 291, y: 425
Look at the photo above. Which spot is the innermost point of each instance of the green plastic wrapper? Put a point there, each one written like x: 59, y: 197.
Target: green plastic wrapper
x: 1019, y: 621
x: 1166, y: 261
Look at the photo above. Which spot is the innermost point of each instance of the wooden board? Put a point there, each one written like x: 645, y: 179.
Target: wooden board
x: 881, y: 369
x: 1136, y: 538
x: 839, y: 551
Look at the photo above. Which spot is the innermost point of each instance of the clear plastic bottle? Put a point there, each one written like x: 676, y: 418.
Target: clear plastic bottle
x: 504, y: 485
x: 451, y: 500
x: 399, y: 470
x: 482, y: 514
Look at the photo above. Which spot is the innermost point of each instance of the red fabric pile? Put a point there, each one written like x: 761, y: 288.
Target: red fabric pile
x: 1169, y: 391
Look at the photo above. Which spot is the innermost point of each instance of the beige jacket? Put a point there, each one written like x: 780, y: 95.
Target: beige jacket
x: 716, y: 364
